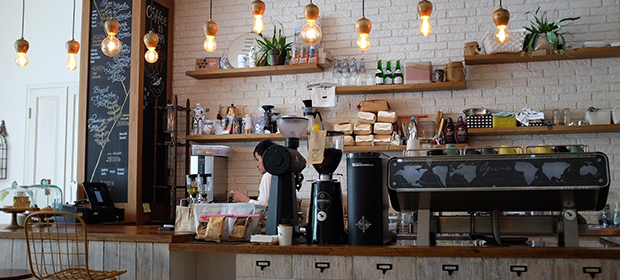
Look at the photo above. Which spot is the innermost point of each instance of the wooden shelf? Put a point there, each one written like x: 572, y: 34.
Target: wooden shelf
x: 255, y: 71
x: 542, y: 56
x: 401, y: 88
x: 236, y: 138
x: 389, y: 148
x: 536, y: 130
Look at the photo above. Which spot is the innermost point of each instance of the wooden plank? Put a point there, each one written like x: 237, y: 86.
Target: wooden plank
x: 542, y: 56
x: 144, y: 260
x: 537, y: 130
x: 401, y: 88
x: 161, y: 261
x: 111, y: 255
x: 7, y: 260
x: 183, y: 265
x: 83, y: 96
x: 236, y: 138
x: 95, y: 255
x: 389, y: 148
x: 128, y: 255
x: 20, y: 254
x: 118, y: 233
x: 255, y: 71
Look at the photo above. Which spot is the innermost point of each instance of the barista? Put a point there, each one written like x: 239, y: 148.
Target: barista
x: 265, y: 182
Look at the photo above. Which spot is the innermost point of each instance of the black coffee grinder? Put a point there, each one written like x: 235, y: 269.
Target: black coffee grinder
x: 285, y: 165
x: 325, y: 216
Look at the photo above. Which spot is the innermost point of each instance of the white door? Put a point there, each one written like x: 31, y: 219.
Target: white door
x: 51, y: 139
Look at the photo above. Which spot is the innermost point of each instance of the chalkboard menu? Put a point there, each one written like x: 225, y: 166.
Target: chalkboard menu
x: 155, y: 95
x: 107, y: 143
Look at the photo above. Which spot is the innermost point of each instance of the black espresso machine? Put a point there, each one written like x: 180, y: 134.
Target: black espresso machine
x: 560, y: 182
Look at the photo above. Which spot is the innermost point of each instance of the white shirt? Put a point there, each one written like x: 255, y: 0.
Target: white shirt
x: 263, y: 190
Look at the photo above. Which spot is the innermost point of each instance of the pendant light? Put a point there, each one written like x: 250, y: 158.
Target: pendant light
x: 72, y: 46
x: 425, y: 8
x: 21, y: 45
x: 111, y: 46
x: 150, y: 41
x: 311, y: 33
x: 210, y: 29
x: 501, y: 17
x: 363, y: 26
x: 258, y: 9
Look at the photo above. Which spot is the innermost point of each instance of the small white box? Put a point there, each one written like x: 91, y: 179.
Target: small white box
x: 598, y: 117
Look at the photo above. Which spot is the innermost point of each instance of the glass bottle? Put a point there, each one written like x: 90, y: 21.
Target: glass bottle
x: 461, y: 131
x: 379, y: 74
x: 398, y: 74
x: 354, y: 76
x: 448, y: 131
x: 345, y: 72
x: 362, y: 72
x: 388, y: 77
x: 336, y: 73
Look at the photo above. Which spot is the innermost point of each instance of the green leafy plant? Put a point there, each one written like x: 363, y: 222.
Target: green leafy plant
x: 542, y: 25
x: 277, y: 43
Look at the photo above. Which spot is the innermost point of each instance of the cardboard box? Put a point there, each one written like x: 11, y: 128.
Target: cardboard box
x: 418, y: 72
x: 207, y: 63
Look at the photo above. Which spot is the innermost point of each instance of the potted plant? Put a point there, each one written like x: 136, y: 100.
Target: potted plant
x: 545, y: 34
x: 274, y: 51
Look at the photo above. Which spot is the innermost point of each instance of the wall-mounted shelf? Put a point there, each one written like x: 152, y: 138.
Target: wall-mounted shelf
x: 255, y: 71
x: 536, y: 130
x: 401, y: 88
x: 203, y: 139
x: 542, y: 56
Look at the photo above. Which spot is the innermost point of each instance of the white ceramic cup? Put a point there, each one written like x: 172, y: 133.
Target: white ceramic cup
x: 285, y: 234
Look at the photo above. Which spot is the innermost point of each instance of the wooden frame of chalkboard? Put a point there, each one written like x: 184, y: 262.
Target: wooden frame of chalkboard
x: 111, y: 116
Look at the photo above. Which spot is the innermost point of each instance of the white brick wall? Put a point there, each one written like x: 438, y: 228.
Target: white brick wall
x: 546, y: 86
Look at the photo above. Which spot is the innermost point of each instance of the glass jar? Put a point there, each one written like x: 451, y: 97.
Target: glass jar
x: 45, y: 195
x: 16, y: 196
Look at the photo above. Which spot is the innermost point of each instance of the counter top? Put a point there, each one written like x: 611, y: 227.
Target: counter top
x: 122, y: 233
x: 401, y: 251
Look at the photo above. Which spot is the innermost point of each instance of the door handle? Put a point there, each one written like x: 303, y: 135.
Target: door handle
x: 450, y: 268
x: 384, y: 267
x: 263, y: 264
x: 321, y: 265
x: 592, y: 270
x: 518, y: 269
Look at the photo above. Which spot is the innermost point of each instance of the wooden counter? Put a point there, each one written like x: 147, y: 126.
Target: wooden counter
x: 119, y: 233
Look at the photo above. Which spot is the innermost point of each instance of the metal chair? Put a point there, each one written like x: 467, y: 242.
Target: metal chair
x: 58, y: 247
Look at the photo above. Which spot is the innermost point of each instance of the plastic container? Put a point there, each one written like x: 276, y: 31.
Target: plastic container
x: 210, y: 150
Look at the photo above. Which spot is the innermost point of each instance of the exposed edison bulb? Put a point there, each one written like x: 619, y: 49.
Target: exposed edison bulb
x: 111, y: 46
x: 502, y: 35
x: 21, y: 59
x: 425, y: 26
x: 151, y: 56
x: 363, y: 43
x: 311, y: 33
x: 259, y: 26
x: 210, y: 44
x: 72, y: 62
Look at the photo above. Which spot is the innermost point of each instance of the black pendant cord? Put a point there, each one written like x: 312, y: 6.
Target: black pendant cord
x: 152, y: 15
x: 211, y: 10
x: 363, y: 12
x: 73, y: 30
x: 23, y: 16
x: 500, y: 4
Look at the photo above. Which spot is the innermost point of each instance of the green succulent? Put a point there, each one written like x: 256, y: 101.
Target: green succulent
x: 542, y: 25
x: 277, y: 42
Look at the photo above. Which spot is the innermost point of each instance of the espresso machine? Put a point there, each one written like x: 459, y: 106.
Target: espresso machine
x: 285, y: 163
x: 325, y: 216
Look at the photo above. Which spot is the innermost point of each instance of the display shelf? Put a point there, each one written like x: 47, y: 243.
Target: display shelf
x: 401, y: 88
x: 536, y: 130
x: 235, y: 138
x: 542, y: 56
x: 255, y: 71
x: 383, y: 148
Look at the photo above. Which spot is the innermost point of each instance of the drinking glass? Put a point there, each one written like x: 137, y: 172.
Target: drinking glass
x: 567, y: 118
x: 558, y: 117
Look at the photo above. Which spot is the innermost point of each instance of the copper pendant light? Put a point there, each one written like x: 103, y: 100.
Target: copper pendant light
x: 363, y: 27
x: 72, y: 46
x: 425, y: 8
x: 501, y: 17
x: 21, y: 45
x: 111, y: 46
x: 258, y: 9
x: 210, y: 30
x: 150, y: 41
x: 311, y: 33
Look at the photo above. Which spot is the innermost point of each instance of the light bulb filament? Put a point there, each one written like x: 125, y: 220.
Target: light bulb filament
x: 21, y: 59
x: 425, y: 26
x: 210, y: 44
x: 72, y: 62
x: 259, y: 26
x: 502, y: 35
x: 363, y: 43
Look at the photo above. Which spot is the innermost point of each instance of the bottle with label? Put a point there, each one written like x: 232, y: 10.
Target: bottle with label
x: 362, y: 72
x: 461, y: 131
x: 252, y: 57
x: 388, y: 77
x: 413, y: 144
x: 379, y: 74
x: 345, y: 72
x: 398, y: 74
x: 336, y: 74
x: 448, y: 131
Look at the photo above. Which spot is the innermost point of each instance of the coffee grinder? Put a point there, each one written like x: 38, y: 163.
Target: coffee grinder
x: 311, y: 113
x: 325, y: 216
x: 285, y: 164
